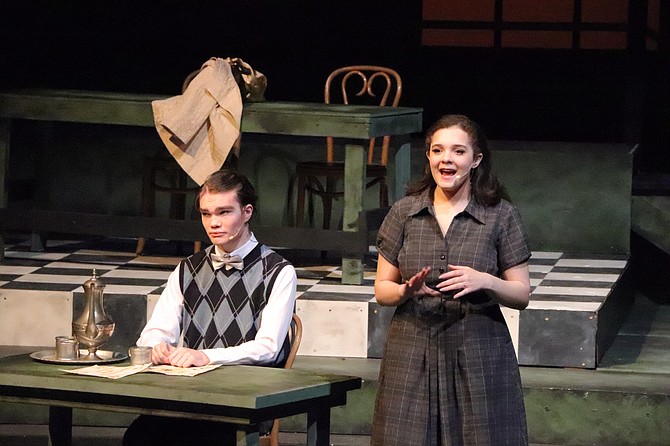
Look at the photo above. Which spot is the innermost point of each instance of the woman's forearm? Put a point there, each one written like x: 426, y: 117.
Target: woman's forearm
x: 510, y: 293
x: 390, y: 293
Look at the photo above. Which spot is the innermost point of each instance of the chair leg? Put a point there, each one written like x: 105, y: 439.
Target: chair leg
x: 290, y: 210
x: 300, y: 206
x: 141, y: 243
x: 177, y: 203
x: 310, y: 209
x: 327, y: 200
x: 383, y: 193
x: 274, y: 434
x: 327, y: 211
x: 148, y: 199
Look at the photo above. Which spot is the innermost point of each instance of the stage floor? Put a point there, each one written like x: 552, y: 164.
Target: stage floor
x: 622, y: 401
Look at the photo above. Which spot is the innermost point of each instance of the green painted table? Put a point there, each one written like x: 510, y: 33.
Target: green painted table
x: 242, y: 395
x: 350, y: 122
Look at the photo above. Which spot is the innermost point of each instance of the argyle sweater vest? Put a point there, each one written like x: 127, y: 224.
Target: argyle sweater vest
x: 222, y: 308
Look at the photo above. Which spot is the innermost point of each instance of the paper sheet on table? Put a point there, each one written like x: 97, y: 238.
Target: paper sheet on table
x: 181, y: 371
x: 116, y: 372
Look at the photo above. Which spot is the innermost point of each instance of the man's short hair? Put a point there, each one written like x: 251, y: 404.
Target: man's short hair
x: 225, y: 180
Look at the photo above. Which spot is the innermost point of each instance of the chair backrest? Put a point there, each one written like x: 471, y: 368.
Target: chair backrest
x: 367, y: 84
x: 294, y: 336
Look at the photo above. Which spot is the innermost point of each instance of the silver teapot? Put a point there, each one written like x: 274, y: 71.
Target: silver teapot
x: 93, y: 327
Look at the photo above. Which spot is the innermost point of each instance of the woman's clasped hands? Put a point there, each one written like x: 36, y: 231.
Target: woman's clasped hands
x: 460, y: 280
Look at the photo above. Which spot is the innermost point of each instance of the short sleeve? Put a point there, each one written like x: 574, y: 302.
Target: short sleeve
x: 391, y: 235
x: 513, y: 246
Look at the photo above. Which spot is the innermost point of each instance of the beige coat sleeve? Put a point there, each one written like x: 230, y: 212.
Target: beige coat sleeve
x: 200, y: 126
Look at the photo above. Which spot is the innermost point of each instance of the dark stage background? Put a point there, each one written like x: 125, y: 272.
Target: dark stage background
x: 517, y: 94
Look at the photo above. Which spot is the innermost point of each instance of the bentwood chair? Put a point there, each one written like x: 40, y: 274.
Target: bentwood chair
x: 161, y: 174
x: 295, y: 336
x: 357, y: 84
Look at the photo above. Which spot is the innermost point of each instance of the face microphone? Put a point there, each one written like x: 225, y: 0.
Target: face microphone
x: 236, y: 234
x: 459, y: 176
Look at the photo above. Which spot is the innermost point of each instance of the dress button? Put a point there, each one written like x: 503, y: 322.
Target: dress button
x: 442, y: 257
x: 441, y: 270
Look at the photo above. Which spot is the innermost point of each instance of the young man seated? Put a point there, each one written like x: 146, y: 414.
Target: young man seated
x: 230, y: 303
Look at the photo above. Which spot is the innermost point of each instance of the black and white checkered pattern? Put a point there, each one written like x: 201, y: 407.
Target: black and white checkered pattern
x: 555, y: 276
x: 341, y: 320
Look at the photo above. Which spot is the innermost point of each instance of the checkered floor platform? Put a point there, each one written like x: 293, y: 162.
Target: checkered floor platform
x: 557, y: 279
x: 44, y: 289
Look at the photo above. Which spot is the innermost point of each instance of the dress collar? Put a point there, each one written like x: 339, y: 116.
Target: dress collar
x: 424, y: 204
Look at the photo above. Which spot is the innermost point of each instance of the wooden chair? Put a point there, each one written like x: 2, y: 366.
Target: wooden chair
x: 162, y: 174
x: 378, y: 86
x: 295, y: 336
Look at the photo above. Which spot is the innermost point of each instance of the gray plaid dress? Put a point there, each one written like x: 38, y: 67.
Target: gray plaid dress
x: 449, y: 374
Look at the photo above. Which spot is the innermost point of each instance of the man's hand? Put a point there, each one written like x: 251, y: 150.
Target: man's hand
x: 187, y: 357
x: 165, y: 353
x: 161, y: 352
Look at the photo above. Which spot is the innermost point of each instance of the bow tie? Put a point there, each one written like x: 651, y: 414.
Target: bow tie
x: 227, y: 260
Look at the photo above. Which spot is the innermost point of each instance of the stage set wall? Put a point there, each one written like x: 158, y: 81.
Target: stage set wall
x: 570, y: 127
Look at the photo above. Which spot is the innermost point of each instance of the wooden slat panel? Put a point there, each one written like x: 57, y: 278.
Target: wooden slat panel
x: 537, y: 39
x: 57, y: 222
x: 538, y: 11
x: 284, y: 118
x: 459, y: 10
x: 600, y: 40
x: 457, y: 37
x: 604, y: 11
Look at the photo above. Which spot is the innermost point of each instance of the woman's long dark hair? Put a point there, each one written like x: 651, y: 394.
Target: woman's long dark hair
x: 486, y: 188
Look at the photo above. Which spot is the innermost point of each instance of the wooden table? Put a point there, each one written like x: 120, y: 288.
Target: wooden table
x: 241, y: 395
x: 355, y: 123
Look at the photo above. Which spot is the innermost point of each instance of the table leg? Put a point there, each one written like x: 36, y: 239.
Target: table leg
x: 354, y: 187
x: 43, y: 171
x: 37, y: 242
x: 60, y: 426
x: 318, y: 427
x: 403, y: 170
x: 4, y: 162
x: 247, y: 436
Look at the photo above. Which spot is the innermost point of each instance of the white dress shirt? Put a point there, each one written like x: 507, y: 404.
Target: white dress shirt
x: 164, y: 324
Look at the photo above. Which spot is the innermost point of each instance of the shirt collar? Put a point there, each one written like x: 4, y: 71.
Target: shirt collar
x: 424, y: 203
x: 242, y: 251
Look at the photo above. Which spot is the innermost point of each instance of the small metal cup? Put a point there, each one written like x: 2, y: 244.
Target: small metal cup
x: 140, y: 355
x: 67, y: 348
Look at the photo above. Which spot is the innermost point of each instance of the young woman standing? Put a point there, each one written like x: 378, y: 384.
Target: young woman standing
x: 451, y: 252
